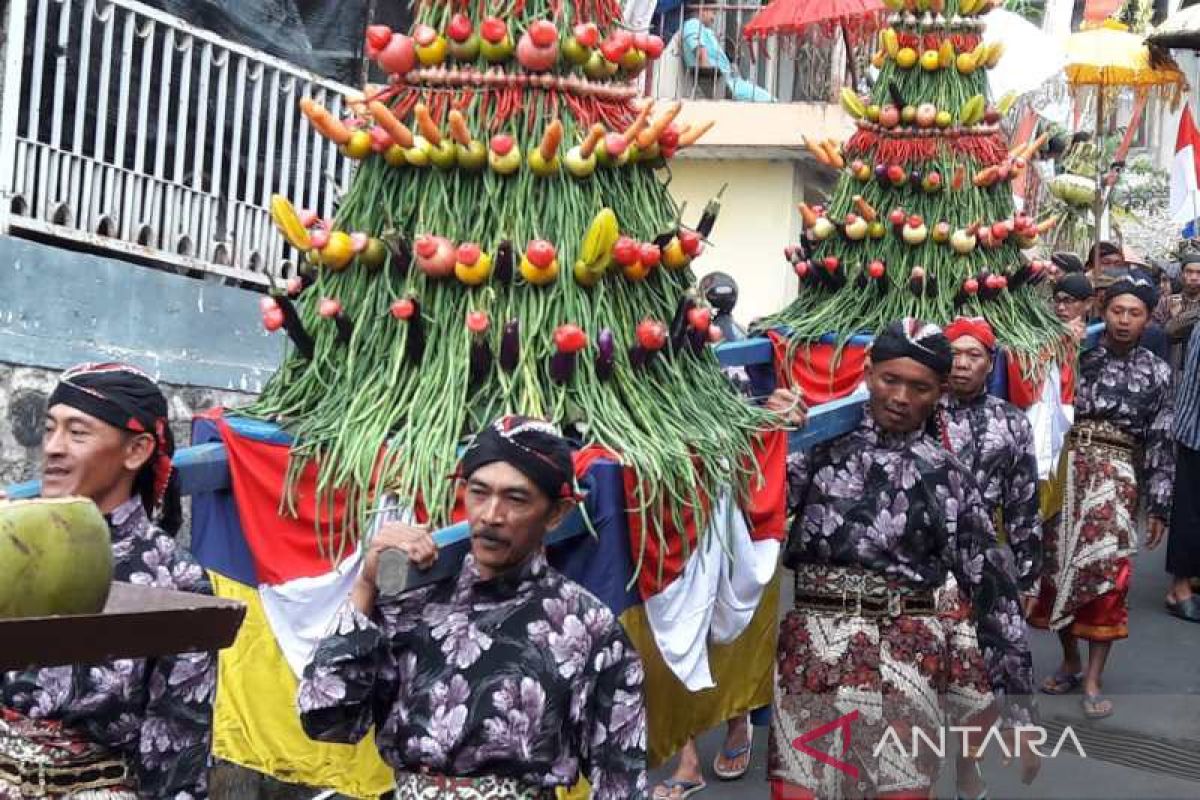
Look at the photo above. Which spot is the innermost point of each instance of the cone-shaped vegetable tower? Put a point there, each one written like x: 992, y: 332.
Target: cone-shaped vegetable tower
x: 921, y: 222
x: 507, y: 245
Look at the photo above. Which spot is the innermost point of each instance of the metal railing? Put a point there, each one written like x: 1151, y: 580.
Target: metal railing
x: 706, y: 57
x: 125, y: 129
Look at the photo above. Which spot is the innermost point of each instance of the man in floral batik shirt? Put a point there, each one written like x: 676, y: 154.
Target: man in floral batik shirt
x: 504, y: 683
x: 994, y: 440
x: 133, y: 728
x: 883, y: 517
x: 1119, y: 456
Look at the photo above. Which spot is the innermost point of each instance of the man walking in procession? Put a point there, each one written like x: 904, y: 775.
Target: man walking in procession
x: 884, y: 516
x: 133, y: 728
x: 501, y: 684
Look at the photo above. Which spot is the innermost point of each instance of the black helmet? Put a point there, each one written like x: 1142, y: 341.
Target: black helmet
x: 720, y: 290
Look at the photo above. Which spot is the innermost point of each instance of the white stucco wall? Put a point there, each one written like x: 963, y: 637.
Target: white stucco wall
x: 758, y: 219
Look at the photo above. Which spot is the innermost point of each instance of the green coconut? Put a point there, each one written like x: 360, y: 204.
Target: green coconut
x: 55, y: 558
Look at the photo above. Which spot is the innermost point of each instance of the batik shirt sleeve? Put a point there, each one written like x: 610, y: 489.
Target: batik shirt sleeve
x: 984, y: 570
x: 1158, y: 465
x: 176, y: 731
x: 1022, y: 520
x: 351, y: 668
x: 615, y: 725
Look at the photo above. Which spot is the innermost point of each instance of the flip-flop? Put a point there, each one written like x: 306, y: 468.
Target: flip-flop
x: 735, y: 753
x: 1061, y: 683
x: 1090, y: 704
x: 671, y: 784
x: 1188, y: 609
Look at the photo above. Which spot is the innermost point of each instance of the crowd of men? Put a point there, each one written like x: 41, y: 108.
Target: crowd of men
x: 924, y: 544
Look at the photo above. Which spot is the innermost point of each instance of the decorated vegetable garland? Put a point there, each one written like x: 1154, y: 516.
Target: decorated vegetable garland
x: 921, y: 221
x: 507, y: 245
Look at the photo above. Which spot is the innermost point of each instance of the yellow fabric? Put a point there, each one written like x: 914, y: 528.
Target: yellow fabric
x: 743, y: 671
x: 1050, y: 499
x: 255, y: 723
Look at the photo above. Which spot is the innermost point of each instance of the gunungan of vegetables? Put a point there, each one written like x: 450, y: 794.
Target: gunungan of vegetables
x: 507, y: 245
x: 921, y: 221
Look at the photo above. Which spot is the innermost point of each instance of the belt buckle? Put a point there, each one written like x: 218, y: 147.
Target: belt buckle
x: 1085, y: 437
x: 856, y: 584
x: 895, y: 604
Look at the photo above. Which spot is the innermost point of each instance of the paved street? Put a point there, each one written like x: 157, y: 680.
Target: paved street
x: 1150, y: 748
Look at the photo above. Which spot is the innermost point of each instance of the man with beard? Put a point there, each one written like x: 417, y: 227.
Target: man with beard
x: 506, y: 682
x: 994, y: 440
x: 884, y: 517
x: 133, y: 728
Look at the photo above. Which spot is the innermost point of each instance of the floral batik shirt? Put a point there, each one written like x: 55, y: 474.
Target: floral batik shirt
x: 156, y: 712
x: 524, y: 676
x: 994, y: 440
x: 903, y: 506
x: 1133, y: 393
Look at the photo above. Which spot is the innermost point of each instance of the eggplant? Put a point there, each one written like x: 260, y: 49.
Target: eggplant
x: 639, y: 356
x: 414, y: 342
x: 605, y: 350
x: 664, y: 239
x: 709, y: 218
x: 510, y: 345
x: 697, y: 340
x: 294, y: 327
x: 502, y: 269
x: 896, y: 95
x: 679, y: 323
x: 1020, y: 277
x: 401, y: 253
x: 345, y: 328
x: 481, y: 359
x: 562, y: 366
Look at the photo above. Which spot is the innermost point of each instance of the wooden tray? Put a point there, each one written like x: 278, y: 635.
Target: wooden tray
x: 137, y: 622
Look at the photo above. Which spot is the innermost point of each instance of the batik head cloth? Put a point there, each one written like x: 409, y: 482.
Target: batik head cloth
x: 1136, y: 284
x: 923, y: 342
x: 977, y: 328
x: 126, y: 398
x: 532, y: 446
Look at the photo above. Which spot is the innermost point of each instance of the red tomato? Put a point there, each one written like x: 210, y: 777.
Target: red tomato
x: 477, y: 321
x: 570, y: 338
x: 540, y: 253
x: 651, y: 334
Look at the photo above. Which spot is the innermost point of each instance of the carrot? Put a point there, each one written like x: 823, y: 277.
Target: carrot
x: 807, y: 215
x: 426, y: 125
x: 594, y: 137
x: 865, y: 209
x: 986, y: 177
x: 639, y: 122
x: 1037, y: 144
x: 550, y: 140
x: 383, y: 115
x: 960, y: 174
x: 325, y: 123
x: 692, y: 135
x: 834, y: 153
x: 655, y: 129
x: 458, y: 127
x: 817, y: 150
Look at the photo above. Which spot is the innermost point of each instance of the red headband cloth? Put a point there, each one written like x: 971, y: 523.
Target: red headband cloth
x: 977, y: 328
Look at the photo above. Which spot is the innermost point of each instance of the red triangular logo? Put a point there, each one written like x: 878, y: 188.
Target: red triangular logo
x: 843, y: 722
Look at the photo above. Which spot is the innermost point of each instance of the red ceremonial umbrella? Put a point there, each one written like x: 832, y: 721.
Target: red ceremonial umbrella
x: 855, y: 19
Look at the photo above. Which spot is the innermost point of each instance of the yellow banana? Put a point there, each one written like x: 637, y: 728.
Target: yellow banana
x: 946, y: 55
x: 284, y: 215
x: 853, y: 103
x: 891, y: 42
x: 967, y: 7
x: 1006, y: 103
x: 598, y: 242
x: 994, y: 54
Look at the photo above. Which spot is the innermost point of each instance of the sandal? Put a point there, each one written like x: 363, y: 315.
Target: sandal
x: 687, y: 789
x: 1188, y: 609
x: 732, y: 755
x: 1061, y: 683
x: 1096, y: 706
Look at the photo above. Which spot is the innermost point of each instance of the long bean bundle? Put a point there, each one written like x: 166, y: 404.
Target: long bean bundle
x: 445, y: 226
x: 921, y: 221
